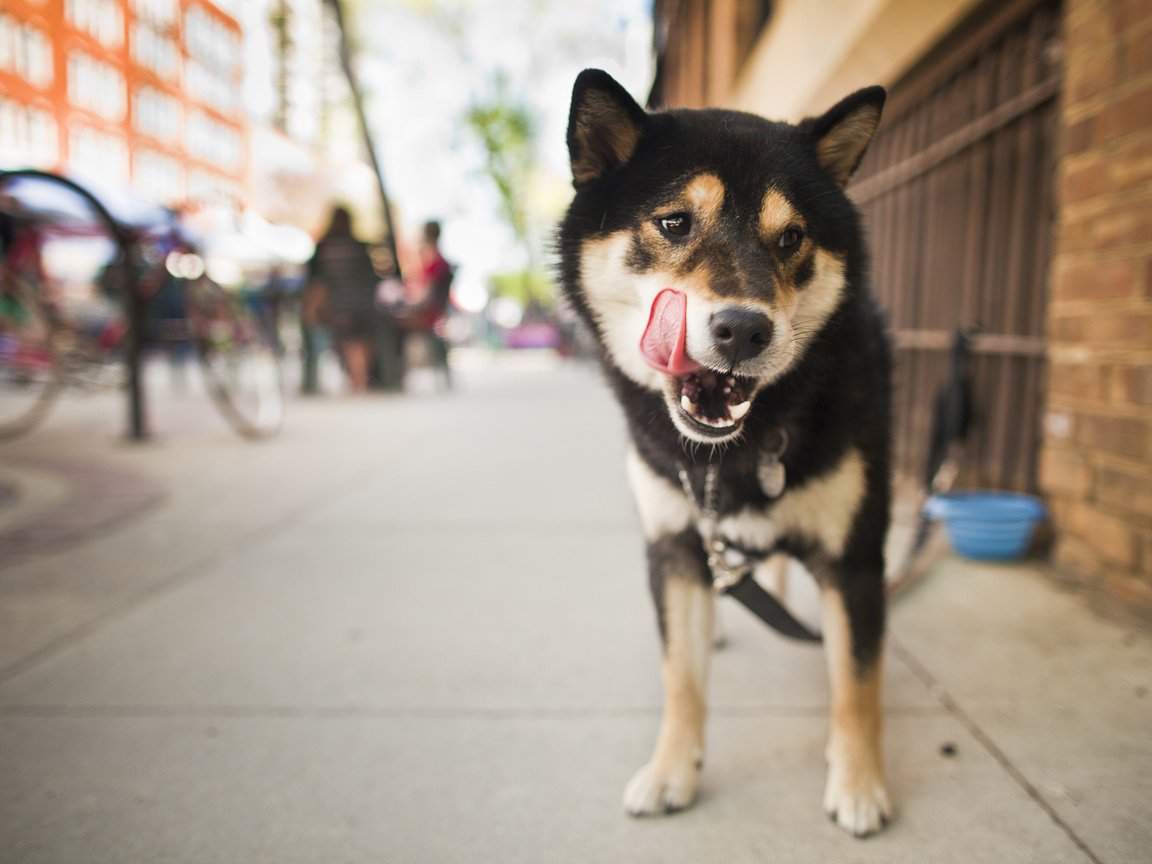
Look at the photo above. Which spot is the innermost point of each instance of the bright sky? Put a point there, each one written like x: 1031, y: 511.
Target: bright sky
x: 423, y: 63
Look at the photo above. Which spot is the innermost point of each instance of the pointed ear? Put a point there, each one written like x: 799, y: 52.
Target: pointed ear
x: 842, y: 134
x: 604, y: 126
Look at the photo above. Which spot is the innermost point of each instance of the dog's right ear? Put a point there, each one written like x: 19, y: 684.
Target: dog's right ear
x: 604, y: 126
x: 842, y: 134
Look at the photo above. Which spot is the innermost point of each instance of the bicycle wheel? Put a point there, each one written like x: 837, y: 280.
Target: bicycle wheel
x: 30, y: 372
x: 240, y: 364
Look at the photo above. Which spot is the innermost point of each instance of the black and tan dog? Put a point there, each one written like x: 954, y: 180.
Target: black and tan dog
x: 721, y: 266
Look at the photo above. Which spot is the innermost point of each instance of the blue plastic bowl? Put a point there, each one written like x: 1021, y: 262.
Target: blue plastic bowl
x: 988, y: 526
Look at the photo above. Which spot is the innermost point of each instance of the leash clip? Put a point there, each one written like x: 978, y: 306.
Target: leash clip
x: 729, y: 565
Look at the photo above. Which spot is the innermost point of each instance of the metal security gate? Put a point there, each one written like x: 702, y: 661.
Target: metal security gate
x: 957, y: 194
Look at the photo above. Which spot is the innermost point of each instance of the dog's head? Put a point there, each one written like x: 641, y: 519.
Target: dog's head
x: 709, y: 248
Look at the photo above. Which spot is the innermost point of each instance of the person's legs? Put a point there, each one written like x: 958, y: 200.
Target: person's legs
x: 390, y: 355
x: 356, y: 355
x: 309, y: 358
x: 438, y: 351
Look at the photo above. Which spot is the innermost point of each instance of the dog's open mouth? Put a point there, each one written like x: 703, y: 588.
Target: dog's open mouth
x: 713, y: 401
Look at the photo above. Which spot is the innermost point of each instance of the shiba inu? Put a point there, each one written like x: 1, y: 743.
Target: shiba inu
x: 721, y: 266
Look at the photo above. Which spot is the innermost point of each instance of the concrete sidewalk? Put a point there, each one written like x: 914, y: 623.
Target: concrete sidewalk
x: 417, y: 630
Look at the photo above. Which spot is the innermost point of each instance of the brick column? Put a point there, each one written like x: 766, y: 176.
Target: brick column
x: 1096, y: 465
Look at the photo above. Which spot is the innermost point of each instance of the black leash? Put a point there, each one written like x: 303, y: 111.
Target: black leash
x: 732, y: 566
x: 764, y: 605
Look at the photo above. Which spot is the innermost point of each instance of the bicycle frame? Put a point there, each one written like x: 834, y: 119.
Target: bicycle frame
x: 136, y: 305
x: 147, y: 252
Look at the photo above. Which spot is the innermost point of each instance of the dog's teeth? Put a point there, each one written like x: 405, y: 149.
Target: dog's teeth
x: 688, y: 405
x: 738, y: 411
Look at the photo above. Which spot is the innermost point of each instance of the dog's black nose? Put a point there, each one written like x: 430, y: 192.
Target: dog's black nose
x: 740, y: 334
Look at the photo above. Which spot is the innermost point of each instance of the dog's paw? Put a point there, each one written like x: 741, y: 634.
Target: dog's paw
x: 857, y: 801
x: 659, y: 787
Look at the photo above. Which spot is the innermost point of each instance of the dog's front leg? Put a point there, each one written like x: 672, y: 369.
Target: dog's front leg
x: 679, y: 581
x: 856, y: 796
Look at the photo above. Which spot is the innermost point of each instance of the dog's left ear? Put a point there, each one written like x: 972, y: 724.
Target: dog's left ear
x: 604, y: 126
x: 842, y: 134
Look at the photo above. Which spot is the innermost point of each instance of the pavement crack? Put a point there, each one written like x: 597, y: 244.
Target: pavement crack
x: 976, y: 731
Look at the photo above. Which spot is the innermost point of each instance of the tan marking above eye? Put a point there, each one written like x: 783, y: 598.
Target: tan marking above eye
x: 701, y: 200
x: 777, y: 215
x: 705, y: 194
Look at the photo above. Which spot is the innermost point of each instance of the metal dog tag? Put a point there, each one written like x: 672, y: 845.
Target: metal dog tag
x: 771, y: 476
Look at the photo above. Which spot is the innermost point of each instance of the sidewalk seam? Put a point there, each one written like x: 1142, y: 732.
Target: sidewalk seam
x: 183, y: 576
x: 296, y: 712
x: 985, y: 740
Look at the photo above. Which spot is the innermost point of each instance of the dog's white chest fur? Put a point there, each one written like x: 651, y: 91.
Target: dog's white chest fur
x: 822, y: 509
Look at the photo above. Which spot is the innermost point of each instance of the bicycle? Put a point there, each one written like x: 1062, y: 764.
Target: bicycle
x: 78, y: 277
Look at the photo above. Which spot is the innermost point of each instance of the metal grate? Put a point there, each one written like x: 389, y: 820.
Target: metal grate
x: 957, y: 194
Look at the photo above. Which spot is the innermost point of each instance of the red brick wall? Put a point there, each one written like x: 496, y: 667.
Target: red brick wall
x: 1096, y: 465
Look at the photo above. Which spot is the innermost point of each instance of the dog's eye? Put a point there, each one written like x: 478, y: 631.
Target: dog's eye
x: 676, y: 225
x: 790, y: 239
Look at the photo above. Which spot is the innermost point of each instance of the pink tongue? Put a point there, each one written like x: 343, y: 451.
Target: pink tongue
x: 663, y: 341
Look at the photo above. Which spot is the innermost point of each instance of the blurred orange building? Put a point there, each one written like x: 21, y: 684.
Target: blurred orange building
x: 141, y: 92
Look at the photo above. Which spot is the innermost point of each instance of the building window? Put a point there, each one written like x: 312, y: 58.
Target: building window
x: 211, y: 190
x: 157, y: 177
x: 28, y: 136
x: 214, y: 51
x: 211, y: 141
x: 209, y: 39
x: 96, y: 85
x: 101, y: 19
x: 206, y: 85
x: 154, y: 51
x: 156, y: 114
x: 97, y: 153
x: 25, y: 51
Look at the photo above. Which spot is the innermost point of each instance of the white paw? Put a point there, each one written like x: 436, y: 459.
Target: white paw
x: 662, y: 788
x: 857, y: 801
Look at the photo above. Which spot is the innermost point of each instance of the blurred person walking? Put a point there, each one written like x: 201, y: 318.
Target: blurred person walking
x: 432, y: 290
x: 341, y: 296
